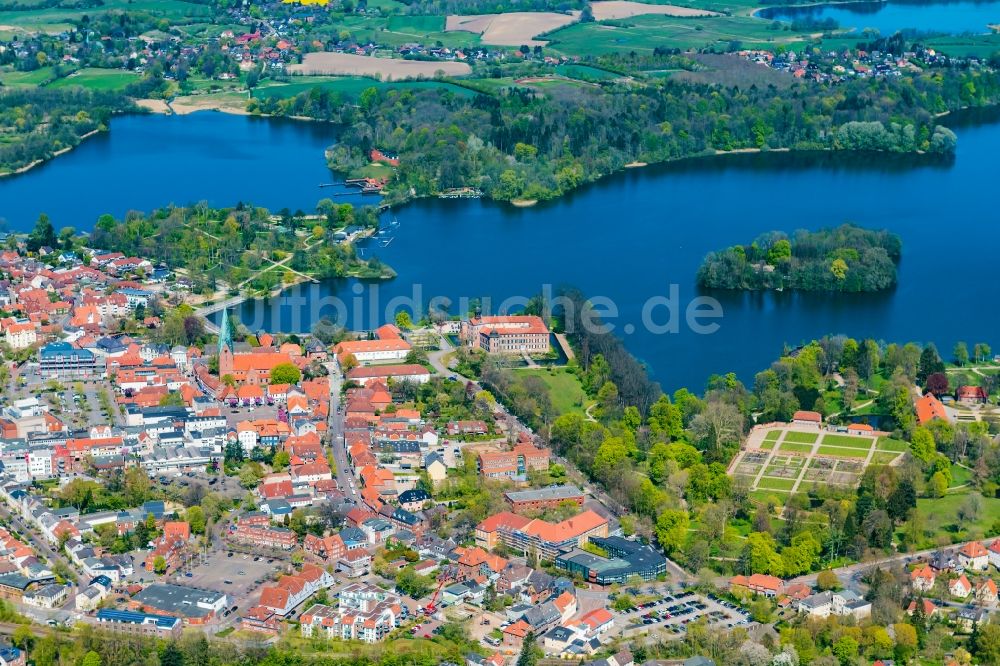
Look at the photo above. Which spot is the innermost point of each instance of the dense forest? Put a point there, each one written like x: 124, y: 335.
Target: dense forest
x: 242, y: 245
x: 520, y: 144
x: 847, y: 258
x: 39, y: 122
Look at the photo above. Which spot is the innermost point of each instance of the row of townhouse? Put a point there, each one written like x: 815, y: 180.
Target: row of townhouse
x: 290, y: 591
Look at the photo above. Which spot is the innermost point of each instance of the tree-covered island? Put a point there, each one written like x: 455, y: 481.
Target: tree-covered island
x: 848, y: 258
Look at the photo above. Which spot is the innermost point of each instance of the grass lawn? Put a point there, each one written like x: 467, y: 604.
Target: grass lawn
x: 883, y: 457
x: 843, y: 452
x: 350, y: 86
x: 850, y: 442
x: 564, y: 388
x: 770, y: 483
x: 890, y: 444
x: 767, y: 444
x: 941, y: 516
x: 97, y: 79
x: 765, y: 496
x: 960, y: 476
x: 772, y: 435
x: 795, y: 448
x: 801, y: 437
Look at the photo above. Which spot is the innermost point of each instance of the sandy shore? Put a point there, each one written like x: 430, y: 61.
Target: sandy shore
x: 636, y: 165
x: 29, y: 167
x: 523, y: 203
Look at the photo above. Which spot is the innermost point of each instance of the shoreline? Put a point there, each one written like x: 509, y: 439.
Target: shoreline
x: 62, y: 151
x: 819, y: 3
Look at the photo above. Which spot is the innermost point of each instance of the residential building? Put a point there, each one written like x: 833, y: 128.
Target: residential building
x: 960, y: 587
x: 265, y: 536
x: 769, y: 586
x: 974, y: 556
x: 922, y: 578
x: 842, y: 603
x: 364, y: 612
x: 513, y: 464
x: 543, y: 498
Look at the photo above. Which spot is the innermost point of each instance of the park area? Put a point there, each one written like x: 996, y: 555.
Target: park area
x: 782, y: 460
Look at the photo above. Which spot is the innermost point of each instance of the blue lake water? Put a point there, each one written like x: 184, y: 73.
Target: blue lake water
x: 627, y: 238
x: 151, y: 161
x: 889, y: 17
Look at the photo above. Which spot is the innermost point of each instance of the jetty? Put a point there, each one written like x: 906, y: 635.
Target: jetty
x: 461, y: 193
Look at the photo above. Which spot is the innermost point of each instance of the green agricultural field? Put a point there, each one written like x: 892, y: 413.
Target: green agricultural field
x: 890, y: 444
x: 842, y: 452
x: 768, y: 483
x: 801, y: 437
x: 564, y: 387
x: 97, y: 79
x: 585, y: 72
x: 850, y: 442
x: 26, y: 79
x: 56, y: 19
x: 795, y: 448
x: 966, y: 46
x: 417, y: 25
x: 399, y: 30
x: 350, y: 86
x: 642, y: 34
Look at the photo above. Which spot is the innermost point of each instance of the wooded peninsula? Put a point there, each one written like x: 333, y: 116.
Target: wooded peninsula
x: 847, y: 259
x: 519, y: 145
x: 246, y: 246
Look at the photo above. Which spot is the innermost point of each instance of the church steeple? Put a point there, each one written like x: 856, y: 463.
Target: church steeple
x: 225, y: 333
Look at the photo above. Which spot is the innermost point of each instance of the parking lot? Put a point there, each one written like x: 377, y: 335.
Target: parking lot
x: 238, y: 576
x: 673, y: 612
x: 234, y: 415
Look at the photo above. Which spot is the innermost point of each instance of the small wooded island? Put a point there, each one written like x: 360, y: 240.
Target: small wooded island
x: 848, y: 258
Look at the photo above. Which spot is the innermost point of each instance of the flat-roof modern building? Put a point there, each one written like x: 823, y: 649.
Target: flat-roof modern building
x: 61, y: 360
x: 194, y: 605
x: 626, y: 559
x: 144, y: 624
